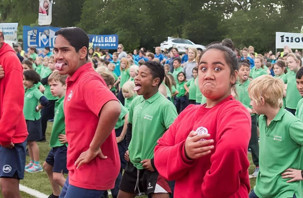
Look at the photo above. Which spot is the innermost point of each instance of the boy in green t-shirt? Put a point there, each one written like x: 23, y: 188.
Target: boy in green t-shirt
x: 191, y: 87
x: 281, y: 139
x: 150, y: 115
x: 177, y: 68
x: 55, y: 163
x: 241, y: 88
x: 297, y: 174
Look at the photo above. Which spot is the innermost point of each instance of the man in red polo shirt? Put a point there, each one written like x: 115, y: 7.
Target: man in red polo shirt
x: 91, y: 112
x: 13, y: 130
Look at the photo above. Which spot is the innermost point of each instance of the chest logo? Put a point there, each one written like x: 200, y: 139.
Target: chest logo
x: 148, y: 117
x: 201, y: 130
x: 70, y: 95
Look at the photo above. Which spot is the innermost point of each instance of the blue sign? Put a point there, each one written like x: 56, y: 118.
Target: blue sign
x: 38, y: 37
x: 104, y: 41
x: 41, y: 37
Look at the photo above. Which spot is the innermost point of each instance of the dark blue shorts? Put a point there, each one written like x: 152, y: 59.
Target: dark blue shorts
x: 34, y: 130
x: 57, y: 159
x: 12, y: 161
x: 70, y: 191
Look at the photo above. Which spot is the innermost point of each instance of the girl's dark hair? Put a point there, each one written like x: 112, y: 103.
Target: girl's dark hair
x: 28, y: 63
x: 183, y: 75
x: 75, y: 36
x: 281, y: 64
x: 229, y: 56
x: 299, y: 73
x: 156, y: 70
x: 31, y: 75
x: 228, y: 43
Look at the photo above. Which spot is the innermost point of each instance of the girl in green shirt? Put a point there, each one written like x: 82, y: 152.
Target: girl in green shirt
x: 32, y: 116
x: 181, y: 100
x: 128, y: 93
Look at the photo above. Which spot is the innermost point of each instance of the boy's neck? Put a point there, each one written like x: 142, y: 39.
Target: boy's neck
x: 242, y: 81
x: 150, y: 94
x: 271, y: 113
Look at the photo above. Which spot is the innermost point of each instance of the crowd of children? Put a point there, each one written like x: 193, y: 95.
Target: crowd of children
x: 248, y: 101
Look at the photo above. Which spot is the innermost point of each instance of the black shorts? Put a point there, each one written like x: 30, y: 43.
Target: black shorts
x: 12, y: 161
x: 34, y: 130
x: 137, y: 181
x: 57, y: 159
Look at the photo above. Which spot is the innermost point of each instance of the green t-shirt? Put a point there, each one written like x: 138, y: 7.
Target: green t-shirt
x: 181, y: 89
x: 113, y: 89
x: 124, y: 77
x: 283, y: 78
x: 121, y: 118
x: 192, y: 89
x: 299, y: 114
x: 128, y: 101
x: 150, y: 119
x: 299, y: 110
x: 33, y: 56
x: 199, y: 96
x: 176, y: 72
x: 292, y: 94
x: 254, y: 72
x: 280, y: 148
x: 45, y: 71
x: 31, y: 100
x: 58, y: 125
x: 242, y: 91
x: 39, y: 68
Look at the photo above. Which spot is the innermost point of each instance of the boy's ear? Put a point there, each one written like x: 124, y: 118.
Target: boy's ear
x: 83, y: 52
x: 156, y: 82
x: 262, y: 100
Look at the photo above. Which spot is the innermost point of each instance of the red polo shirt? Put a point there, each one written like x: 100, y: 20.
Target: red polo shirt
x: 85, y: 96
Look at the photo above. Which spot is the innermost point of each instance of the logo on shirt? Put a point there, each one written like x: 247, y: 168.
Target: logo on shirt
x: 148, y: 117
x: 7, y: 168
x: 70, y: 95
x: 201, y: 131
x: 277, y: 138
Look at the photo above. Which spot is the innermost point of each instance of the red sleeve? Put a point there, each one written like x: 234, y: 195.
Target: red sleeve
x: 12, y: 97
x: 169, y: 157
x: 96, y: 94
x: 228, y: 174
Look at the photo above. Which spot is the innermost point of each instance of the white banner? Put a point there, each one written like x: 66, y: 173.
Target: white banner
x: 10, y: 32
x: 292, y: 40
x: 45, y: 12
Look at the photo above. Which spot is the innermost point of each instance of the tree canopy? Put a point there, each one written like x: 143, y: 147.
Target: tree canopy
x: 146, y: 23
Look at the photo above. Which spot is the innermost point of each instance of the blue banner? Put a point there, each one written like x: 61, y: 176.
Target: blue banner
x: 38, y: 37
x: 41, y: 37
x: 104, y: 41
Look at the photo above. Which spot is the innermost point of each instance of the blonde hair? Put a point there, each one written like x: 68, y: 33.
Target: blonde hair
x: 55, y: 76
x: 194, y: 50
x: 129, y: 87
x: 294, y: 57
x: 269, y: 88
x: 101, y: 69
x: 134, y: 67
x: 127, y: 63
x: 107, y: 77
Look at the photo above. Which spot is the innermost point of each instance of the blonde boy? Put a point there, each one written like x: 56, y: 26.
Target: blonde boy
x: 281, y: 139
x: 55, y: 163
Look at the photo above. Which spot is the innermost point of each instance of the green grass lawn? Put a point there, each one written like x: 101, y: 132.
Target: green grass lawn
x: 40, y: 182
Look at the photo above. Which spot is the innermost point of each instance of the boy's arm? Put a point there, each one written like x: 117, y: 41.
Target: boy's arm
x: 123, y: 133
x: 108, y: 117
